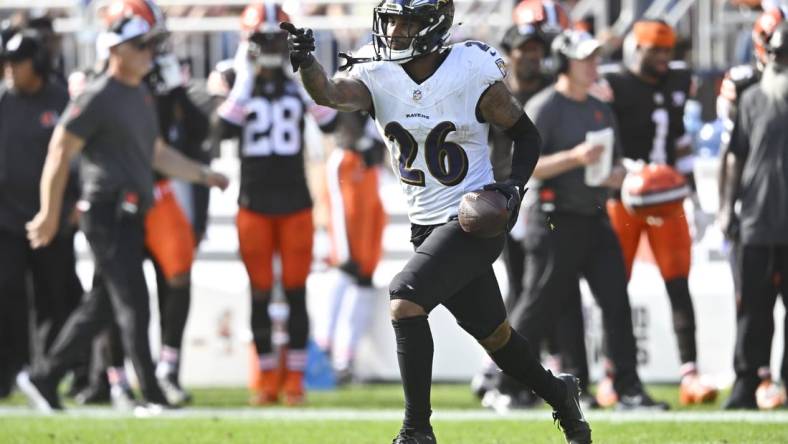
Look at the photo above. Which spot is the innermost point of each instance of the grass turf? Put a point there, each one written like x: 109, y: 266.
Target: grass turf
x: 64, y: 430
x: 31, y: 429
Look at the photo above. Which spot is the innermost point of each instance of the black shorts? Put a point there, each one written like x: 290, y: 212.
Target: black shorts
x: 453, y: 268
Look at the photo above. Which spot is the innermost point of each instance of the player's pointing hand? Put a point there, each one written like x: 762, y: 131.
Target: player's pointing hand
x: 301, y: 43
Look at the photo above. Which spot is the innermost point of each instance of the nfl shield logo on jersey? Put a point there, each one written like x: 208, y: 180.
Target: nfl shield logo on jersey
x: 502, y: 66
x: 417, y: 94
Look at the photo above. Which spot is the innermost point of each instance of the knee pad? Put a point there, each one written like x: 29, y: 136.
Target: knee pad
x: 498, y: 338
x: 298, y: 320
x: 403, y: 286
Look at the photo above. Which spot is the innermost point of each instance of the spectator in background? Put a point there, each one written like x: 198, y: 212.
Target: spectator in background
x: 758, y: 172
x: 31, y: 103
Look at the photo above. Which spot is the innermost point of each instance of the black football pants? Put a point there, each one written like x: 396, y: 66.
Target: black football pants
x: 453, y: 268
x: 760, y: 269
x: 119, y: 293
x: 560, y: 248
x: 566, y: 338
x: 55, y: 289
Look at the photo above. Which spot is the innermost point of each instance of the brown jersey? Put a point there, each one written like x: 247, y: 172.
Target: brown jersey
x: 650, y: 116
x: 270, y: 129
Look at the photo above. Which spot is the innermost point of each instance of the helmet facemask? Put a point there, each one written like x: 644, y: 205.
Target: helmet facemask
x: 268, y: 49
x: 431, y: 25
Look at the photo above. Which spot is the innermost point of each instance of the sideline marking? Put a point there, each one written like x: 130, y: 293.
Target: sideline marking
x: 316, y: 414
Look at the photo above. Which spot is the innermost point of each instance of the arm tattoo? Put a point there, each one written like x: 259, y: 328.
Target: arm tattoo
x: 499, y: 107
x: 338, y: 93
x: 316, y: 83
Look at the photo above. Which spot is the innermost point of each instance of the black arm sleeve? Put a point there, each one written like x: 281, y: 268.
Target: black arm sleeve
x: 527, y: 147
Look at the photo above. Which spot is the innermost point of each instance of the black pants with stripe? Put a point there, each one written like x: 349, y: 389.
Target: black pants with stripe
x: 119, y: 293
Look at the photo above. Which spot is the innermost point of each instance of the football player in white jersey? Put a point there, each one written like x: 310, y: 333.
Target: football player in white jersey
x: 434, y: 104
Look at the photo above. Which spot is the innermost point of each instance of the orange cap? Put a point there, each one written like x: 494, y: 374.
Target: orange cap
x: 654, y: 33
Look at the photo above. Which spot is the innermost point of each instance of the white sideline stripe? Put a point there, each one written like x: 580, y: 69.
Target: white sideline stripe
x: 316, y: 414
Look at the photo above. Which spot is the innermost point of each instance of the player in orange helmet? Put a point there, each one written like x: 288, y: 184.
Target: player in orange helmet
x: 548, y: 15
x: 265, y: 110
x: 648, y: 96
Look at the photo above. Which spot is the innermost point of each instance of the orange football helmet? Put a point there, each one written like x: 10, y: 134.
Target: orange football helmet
x: 263, y: 17
x: 764, y: 28
x: 547, y: 15
x: 655, y: 190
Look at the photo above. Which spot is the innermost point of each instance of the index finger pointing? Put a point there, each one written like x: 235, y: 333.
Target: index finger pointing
x: 289, y: 27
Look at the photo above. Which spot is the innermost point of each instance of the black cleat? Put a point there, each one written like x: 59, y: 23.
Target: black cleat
x: 742, y: 395
x: 638, y: 399
x: 569, y: 415
x: 92, y: 395
x: 410, y: 436
x: 173, y: 392
x: 41, y: 393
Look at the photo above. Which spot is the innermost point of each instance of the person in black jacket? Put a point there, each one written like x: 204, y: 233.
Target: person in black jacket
x: 756, y: 179
x: 30, y: 106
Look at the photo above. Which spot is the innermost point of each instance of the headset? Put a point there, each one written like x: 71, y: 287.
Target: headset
x: 42, y: 64
x: 560, y: 61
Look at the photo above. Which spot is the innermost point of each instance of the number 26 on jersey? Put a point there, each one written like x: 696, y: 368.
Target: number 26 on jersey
x: 446, y: 161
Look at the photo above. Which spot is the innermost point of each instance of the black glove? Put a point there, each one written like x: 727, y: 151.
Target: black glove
x: 513, y: 192
x: 301, y: 43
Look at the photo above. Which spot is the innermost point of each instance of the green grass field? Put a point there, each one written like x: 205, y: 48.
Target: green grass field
x: 213, y: 423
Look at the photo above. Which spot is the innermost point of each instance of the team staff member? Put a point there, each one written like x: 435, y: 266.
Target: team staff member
x: 30, y: 106
x: 356, y: 225
x: 569, y: 234
x: 265, y: 109
x: 113, y: 123
x: 757, y: 175
x: 648, y: 97
x: 170, y: 243
x: 737, y: 80
x: 526, y: 47
x: 410, y: 84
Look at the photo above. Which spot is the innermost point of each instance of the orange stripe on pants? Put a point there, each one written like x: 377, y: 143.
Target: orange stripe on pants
x: 290, y: 235
x: 669, y: 239
x: 168, y: 233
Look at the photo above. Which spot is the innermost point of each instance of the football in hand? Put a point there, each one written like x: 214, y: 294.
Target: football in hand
x: 483, y: 213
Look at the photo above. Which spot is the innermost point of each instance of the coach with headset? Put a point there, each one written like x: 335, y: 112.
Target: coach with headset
x: 30, y: 106
x: 569, y: 234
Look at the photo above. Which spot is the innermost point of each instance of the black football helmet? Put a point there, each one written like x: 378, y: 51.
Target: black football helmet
x: 434, y: 18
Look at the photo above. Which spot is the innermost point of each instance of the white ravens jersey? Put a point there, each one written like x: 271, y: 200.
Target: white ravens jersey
x: 438, y: 145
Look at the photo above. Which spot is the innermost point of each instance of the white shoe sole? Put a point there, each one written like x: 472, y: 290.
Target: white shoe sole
x: 35, y: 397
x: 147, y: 411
